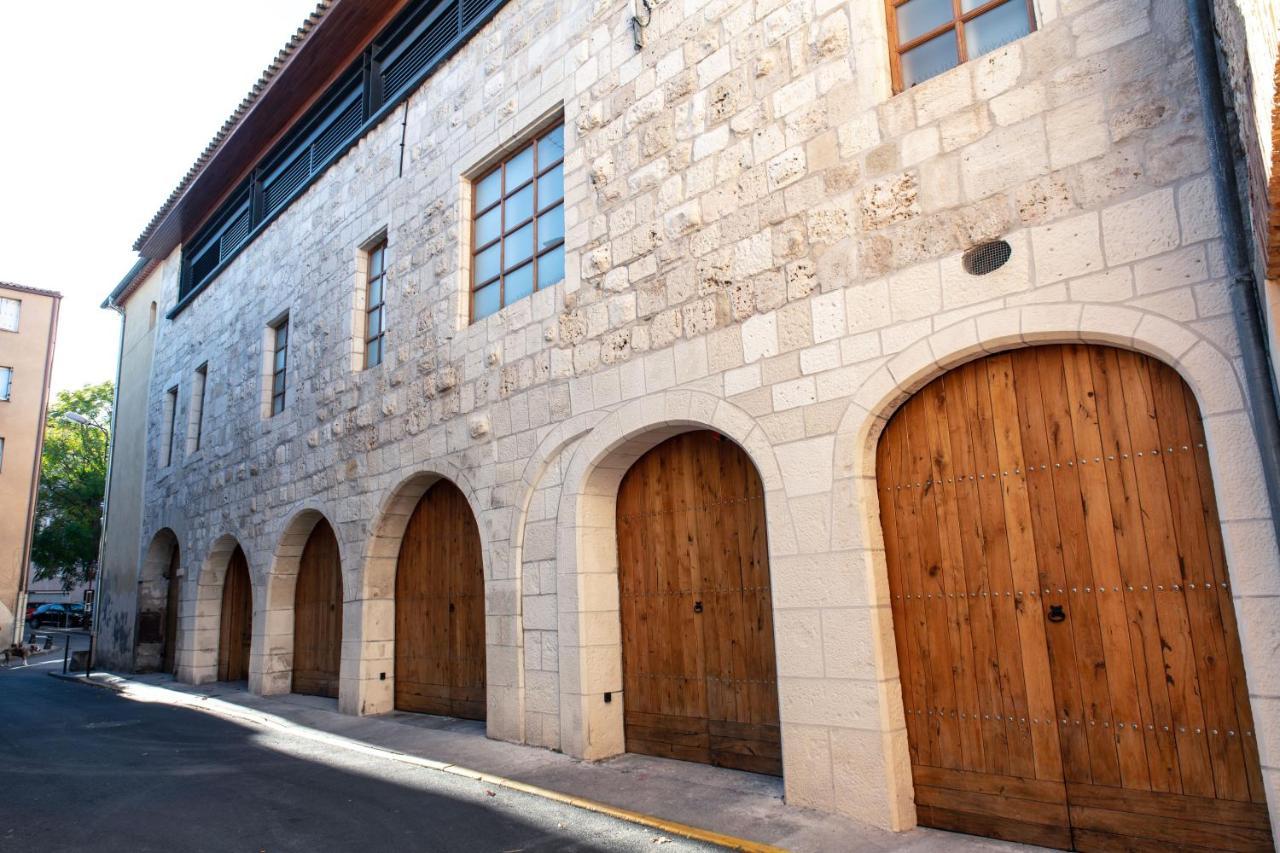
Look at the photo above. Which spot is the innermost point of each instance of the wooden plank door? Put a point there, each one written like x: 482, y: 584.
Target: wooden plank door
x: 235, y: 633
x: 440, y: 638
x: 1070, y: 668
x: 699, y: 672
x: 317, y: 615
x: 173, y: 589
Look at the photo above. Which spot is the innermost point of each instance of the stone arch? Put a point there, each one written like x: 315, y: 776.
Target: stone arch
x: 158, y: 601
x: 588, y: 618
x: 271, y: 662
x: 200, y: 663
x: 377, y: 584
x: 1206, y: 368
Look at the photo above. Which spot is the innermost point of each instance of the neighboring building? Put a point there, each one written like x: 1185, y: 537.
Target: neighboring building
x: 754, y: 386
x: 121, y: 595
x: 28, y: 328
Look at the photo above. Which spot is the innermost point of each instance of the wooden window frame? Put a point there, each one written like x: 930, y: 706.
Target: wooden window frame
x: 279, y: 370
x: 539, y: 170
x: 378, y: 248
x: 959, y: 20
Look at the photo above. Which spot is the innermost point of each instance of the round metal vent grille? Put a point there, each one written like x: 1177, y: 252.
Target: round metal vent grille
x: 986, y: 257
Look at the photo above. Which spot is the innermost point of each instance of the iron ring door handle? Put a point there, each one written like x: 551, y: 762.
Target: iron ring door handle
x: 1056, y: 613
x: 697, y: 607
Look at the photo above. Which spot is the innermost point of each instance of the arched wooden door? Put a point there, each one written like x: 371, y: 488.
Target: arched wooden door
x: 699, y: 676
x: 235, y: 634
x: 169, y: 657
x: 1070, y: 667
x: 440, y: 646
x: 317, y: 615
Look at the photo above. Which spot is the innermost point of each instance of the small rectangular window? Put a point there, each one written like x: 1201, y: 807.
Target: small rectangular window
x: 6, y: 382
x: 170, y: 418
x: 375, y: 308
x: 10, y: 314
x: 1, y: 453
x: 928, y: 37
x: 279, y: 365
x: 197, y: 407
x: 517, y: 225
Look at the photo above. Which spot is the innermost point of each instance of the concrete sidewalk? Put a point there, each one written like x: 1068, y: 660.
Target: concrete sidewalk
x: 729, y: 802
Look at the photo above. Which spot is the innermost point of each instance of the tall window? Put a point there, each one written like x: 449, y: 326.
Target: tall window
x: 929, y: 37
x: 170, y: 418
x: 517, y: 235
x: 279, y: 365
x: 10, y: 312
x: 1, y: 453
x: 6, y: 382
x: 197, y: 407
x: 375, y: 316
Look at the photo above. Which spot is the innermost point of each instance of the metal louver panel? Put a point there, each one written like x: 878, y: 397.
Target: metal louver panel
x: 422, y: 52
x: 342, y: 129
x: 282, y: 185
x: 235, y: 234
x: 473, y: 9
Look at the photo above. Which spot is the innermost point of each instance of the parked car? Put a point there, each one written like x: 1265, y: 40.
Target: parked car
x: 58, y: 615
x: 31, y: 609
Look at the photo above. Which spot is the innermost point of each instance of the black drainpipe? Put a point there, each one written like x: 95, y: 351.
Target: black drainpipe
x: 1245, y: 306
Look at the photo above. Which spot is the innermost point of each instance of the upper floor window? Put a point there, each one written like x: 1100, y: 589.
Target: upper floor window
x: 170, y: 419
x: 6, y: 382
x: 1, y: 453
x: 279, y: 365
x: 10, y: 312
x: 517, y: 235
x: 196, y: 431
x: 375, y: 317
x: 929, y: 37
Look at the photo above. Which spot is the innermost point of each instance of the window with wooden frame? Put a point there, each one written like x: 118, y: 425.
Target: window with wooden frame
x: 279, y: 364
x: 928, y: 37
x: 517, y: 234
x: 375, y: 310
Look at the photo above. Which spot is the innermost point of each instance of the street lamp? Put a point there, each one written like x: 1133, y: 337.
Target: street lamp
x: 77, y: 418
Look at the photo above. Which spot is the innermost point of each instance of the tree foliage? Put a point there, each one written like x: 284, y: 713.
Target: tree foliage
x: 73, y: 476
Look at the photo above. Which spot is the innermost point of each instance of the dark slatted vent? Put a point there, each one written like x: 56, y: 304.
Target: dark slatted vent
x: 235, y: 234
x: 345, y: 124
x: 422, y: 37
x: 418, y: 46
x: 986, y: 257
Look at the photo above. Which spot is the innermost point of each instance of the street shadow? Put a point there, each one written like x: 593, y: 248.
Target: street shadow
x: 89, y: 769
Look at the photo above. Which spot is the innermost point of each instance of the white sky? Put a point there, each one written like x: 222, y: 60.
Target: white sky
x: 106, y: 105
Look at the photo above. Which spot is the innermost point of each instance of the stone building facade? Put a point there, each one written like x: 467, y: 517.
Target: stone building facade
x: 762, y: 239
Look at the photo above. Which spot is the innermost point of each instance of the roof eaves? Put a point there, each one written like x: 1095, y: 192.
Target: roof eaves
x: 22, y: 288
x: 264, y: 82
x: 135, y: 276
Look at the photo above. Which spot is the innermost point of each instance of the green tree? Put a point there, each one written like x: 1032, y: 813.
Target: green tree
x: 73, y: 476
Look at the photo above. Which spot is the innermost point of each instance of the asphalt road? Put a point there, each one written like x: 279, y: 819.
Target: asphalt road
x: 87, y: 769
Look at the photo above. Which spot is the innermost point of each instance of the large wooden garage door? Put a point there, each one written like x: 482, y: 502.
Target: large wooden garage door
x: 1070, y: 667
x: 697, y: 621
x: 236, y: 631
x: 440, y: 609
x: 317, y: 615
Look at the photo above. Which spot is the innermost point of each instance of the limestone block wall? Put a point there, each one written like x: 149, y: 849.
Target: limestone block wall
x: 761, y: 239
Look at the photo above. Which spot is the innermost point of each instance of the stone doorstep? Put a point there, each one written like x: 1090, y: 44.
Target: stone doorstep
x: 741, y: 807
